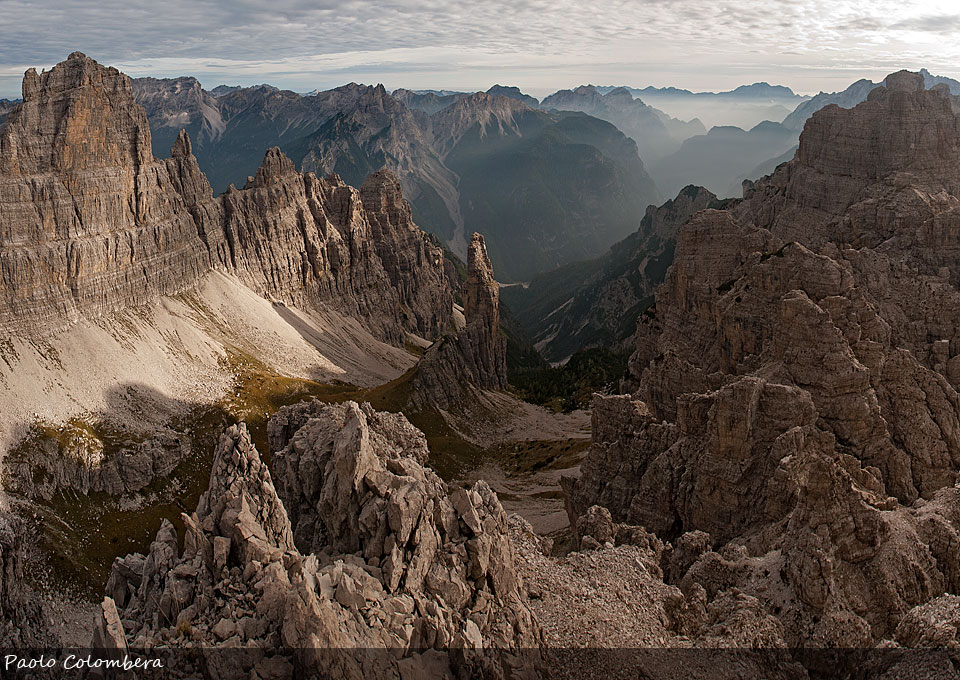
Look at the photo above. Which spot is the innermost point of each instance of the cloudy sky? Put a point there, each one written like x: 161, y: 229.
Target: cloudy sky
x: 539, y: 45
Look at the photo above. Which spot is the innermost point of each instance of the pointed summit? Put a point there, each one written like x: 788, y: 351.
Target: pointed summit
x: 181, y: 147
x: 482, y: 310
x: 275, y: 167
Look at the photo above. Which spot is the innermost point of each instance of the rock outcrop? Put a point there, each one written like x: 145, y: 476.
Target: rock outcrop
x: 476, y: 357
x: 93, y: 223
x: 883, y: 175
x: 375, y: 553
x: 794, y: 429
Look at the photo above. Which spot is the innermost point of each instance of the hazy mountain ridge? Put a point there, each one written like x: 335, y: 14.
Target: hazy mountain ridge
x: 762, y: 90
x: 717, y: 159
x: 597, y: 303
x: 744, y: 106
x: 355, y: 130
x: 655, y: 133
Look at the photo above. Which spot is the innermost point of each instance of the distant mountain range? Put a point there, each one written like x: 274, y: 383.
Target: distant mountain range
x: 722, y: 157
x: 744, y: 106
x: 655, y: 133
x: 6, y: 106
x: 761, y: 90
x: 545, y: 188
x: 854, y: 94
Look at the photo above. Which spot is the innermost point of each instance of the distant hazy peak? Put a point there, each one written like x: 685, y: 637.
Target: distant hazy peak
x: 221, y: 90
x: 514, y: 93
x: 762, y: 89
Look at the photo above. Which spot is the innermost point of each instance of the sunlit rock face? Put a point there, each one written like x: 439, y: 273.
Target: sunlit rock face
x: 92, y: 222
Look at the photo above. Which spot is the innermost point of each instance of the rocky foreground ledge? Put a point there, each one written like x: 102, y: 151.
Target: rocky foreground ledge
x: 356, y: 545
x: 353, y: 560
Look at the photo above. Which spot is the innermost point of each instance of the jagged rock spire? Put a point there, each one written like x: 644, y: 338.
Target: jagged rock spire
x: 182, y: 146
x: 482, y: 311
x: 275, y: 167
x: 477, y: 356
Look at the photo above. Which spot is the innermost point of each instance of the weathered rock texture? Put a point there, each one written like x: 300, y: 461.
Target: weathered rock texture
x: 21, y: 620
x: 795, y: 432
x: 476, y: 357
x: 92, y: 222
x: 357, y: 546
x: 82, y: 459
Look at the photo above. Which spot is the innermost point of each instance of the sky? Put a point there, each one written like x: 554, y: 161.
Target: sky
x: 538, y: 45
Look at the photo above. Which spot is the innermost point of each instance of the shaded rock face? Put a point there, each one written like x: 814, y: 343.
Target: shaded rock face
x: 375, y: 553
x: 794, y: 430
x: 22, y: 622
x: 93, y: 223
x: 477, y: 356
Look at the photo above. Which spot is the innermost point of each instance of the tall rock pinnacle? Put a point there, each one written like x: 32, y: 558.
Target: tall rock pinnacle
x: 482, y: 310
x: 478, y: 353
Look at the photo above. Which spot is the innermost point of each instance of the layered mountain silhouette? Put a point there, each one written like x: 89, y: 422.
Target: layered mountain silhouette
x: 545, y: 188
x: 655, y: 133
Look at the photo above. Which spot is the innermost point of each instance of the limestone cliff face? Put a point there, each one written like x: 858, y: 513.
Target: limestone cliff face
x: 884, y: 175
x: 351, y: 544
x: 797, y: 398
x: 93, y: 223
x: 477, y: 356
x: 90, y: 220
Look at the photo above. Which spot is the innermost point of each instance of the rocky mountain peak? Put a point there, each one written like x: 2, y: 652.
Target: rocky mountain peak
x: 904, y: 81
x: 849, y: 158
x: 621, y: 94
x: 381, y: 191
x: 275, y: 167
x: 492, y: 113
x: 514, y: 93
x: 482, y: 291
x: 901, y: 126
x: 79, y: 115
x: 182, y: 146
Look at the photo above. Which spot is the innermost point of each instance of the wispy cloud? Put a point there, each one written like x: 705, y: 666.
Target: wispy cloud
x: 538, y: 44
